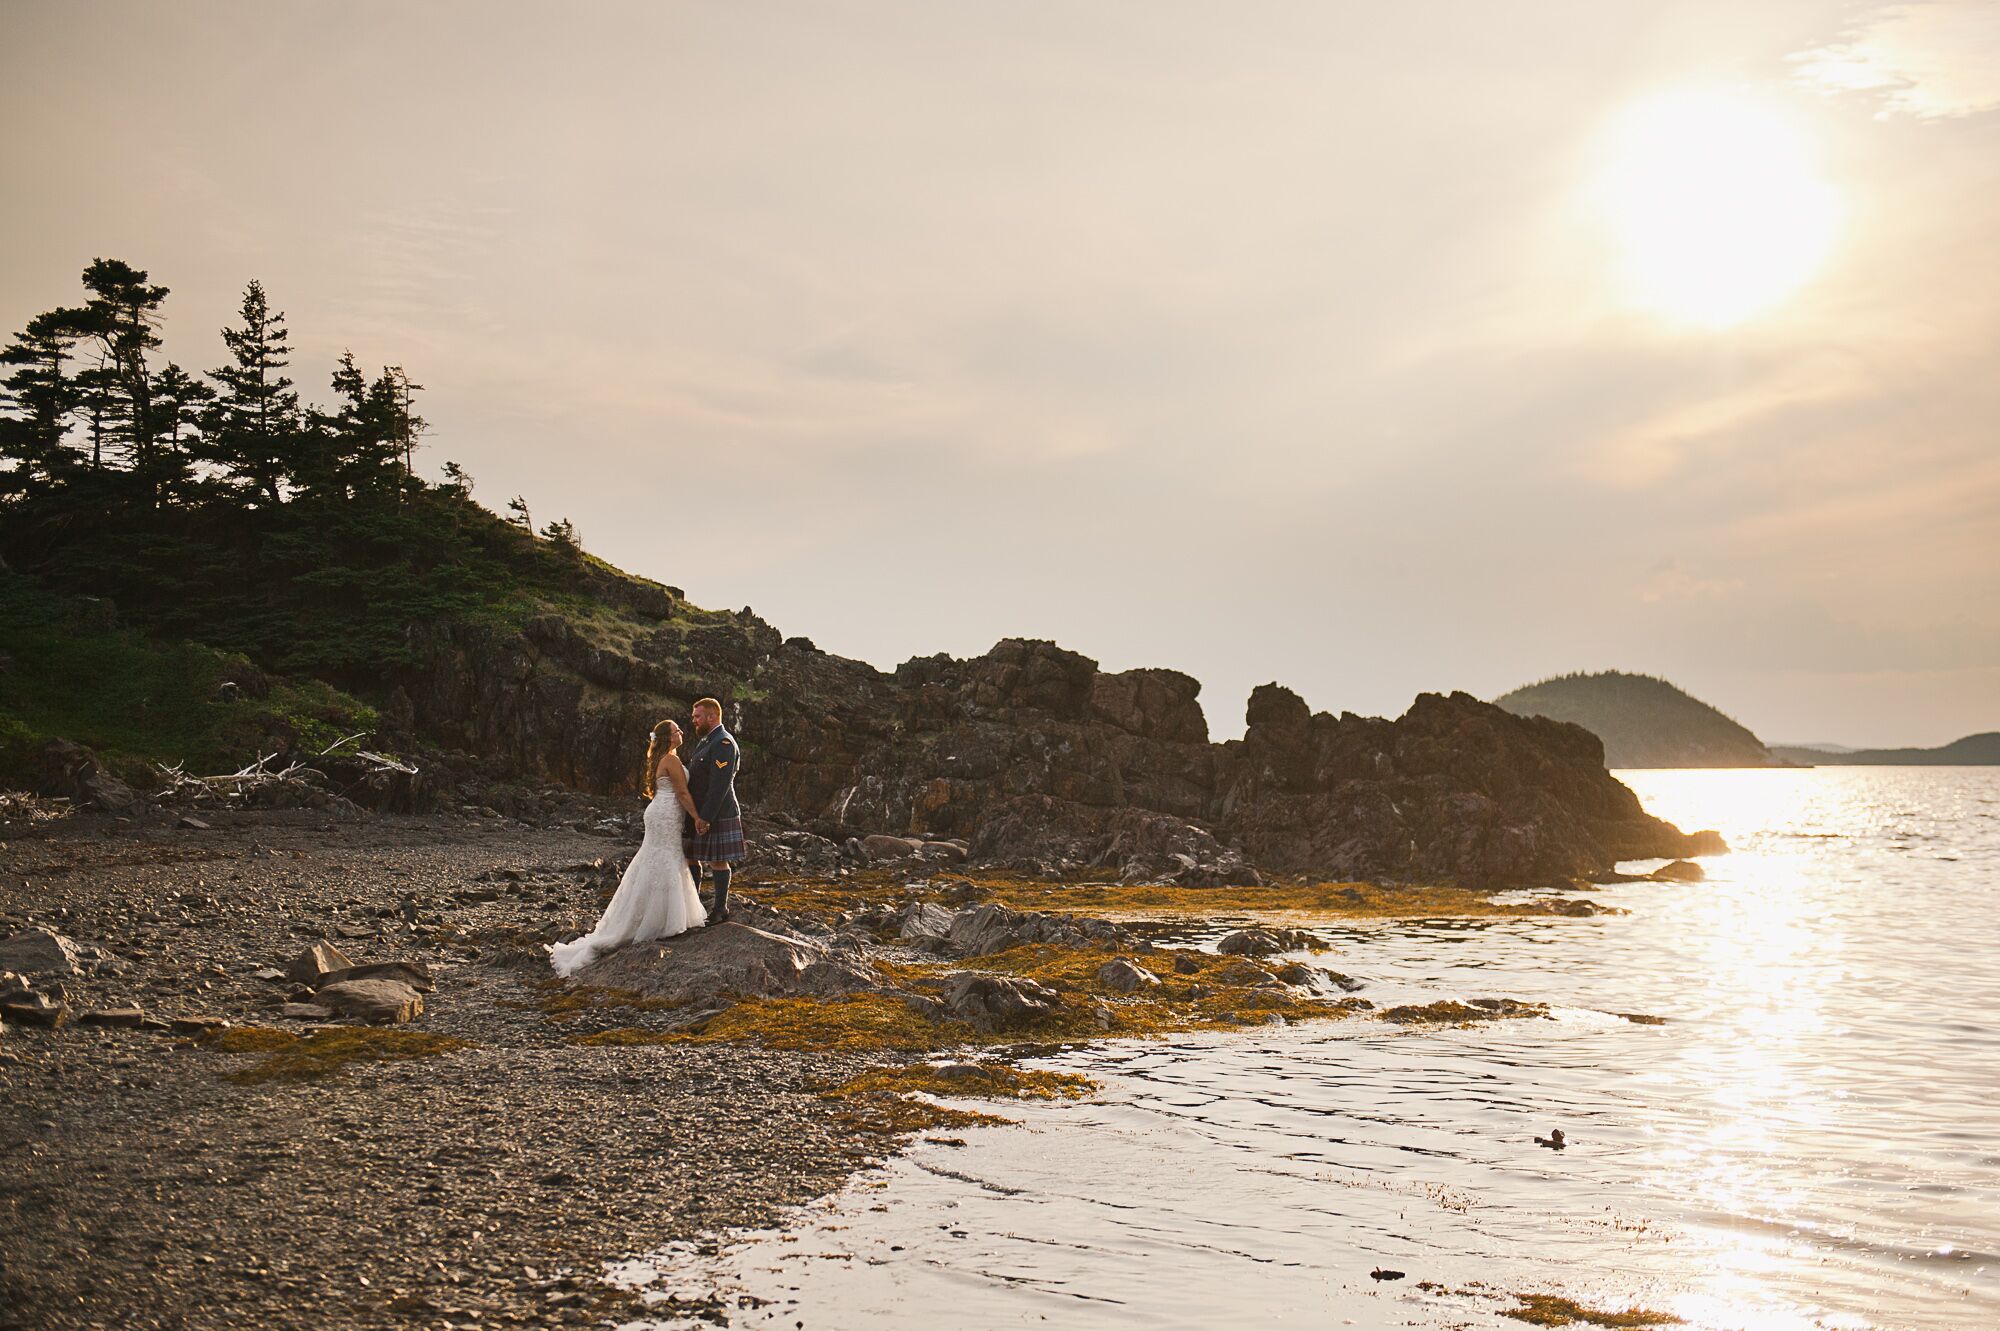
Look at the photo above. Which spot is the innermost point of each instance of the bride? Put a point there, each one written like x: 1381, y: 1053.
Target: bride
x: 656, y: 897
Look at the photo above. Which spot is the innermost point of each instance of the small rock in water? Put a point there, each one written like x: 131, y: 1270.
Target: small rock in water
x: 1554, y: 1141
x: 1384, y: 1273
x: 1680, y: 871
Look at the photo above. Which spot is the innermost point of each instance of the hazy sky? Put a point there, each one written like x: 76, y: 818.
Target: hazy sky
x: 1370, y: 348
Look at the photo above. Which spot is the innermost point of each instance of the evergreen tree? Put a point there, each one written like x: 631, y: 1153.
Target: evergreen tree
x: 42, y: 398
x: 563, y: 535
x: 182, y: 401
x: 123, y: 316
x: 361, y: 448
x: 254, y: 426
x: 394, y: 396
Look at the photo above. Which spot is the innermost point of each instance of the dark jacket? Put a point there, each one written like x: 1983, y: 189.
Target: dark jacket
x: 712, y: 776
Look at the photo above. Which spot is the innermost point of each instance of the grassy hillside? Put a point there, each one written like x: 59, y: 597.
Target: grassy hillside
x: 70, y: 672
x: 1643, y: 721
x: 122, y: 641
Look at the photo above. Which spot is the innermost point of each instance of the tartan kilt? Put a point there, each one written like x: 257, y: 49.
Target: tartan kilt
x: 722, y: 844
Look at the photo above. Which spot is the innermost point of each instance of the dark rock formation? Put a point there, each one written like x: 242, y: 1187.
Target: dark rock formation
x: 731, y: 960
x: 997, y: 1002
x: 1258, y: 941
x: 1033, y: 759
x: 69, y: 770
x: 1453, y: 791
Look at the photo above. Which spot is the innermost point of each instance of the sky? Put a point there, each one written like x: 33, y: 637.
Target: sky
x: 1372, y: 349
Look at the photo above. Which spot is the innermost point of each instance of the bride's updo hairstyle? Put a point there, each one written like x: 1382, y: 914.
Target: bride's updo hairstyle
x: 672, y: 733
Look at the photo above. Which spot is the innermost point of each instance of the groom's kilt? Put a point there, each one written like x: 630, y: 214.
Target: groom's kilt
x: 722, y: 843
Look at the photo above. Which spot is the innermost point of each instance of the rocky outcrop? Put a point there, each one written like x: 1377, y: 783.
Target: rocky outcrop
x: 1032, y: 759
x: 1455, y: 791
x: 998, y: 1002
x: 1261, y: 942
x: 731, y: 960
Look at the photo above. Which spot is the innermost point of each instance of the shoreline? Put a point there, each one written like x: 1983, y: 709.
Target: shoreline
x: 159, y: 1179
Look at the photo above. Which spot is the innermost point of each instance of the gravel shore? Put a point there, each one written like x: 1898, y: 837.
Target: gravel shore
x: 141, y: 1187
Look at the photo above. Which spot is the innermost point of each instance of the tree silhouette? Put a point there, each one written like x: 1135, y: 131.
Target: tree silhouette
x: 254, y: 426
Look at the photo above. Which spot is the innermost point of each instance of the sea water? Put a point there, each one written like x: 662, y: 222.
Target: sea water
x: 1810, y: 1137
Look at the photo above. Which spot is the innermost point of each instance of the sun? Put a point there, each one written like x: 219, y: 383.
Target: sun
x: 1715, y: 204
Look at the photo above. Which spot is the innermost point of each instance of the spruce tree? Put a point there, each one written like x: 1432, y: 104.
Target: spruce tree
x: 42, y: 396
x: 254, y: 428
x: 123, y: 316
x: 181, y: 401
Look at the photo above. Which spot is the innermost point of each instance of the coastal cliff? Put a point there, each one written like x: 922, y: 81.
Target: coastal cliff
x: 1039, y: 761
x: 490, y: 653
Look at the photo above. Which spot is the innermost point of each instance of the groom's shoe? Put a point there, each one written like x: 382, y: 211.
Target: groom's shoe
x: 720, y: 915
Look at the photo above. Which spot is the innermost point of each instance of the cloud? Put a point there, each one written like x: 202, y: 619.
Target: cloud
x: 1931, y: 61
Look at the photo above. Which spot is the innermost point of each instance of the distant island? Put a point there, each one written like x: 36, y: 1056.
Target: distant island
x: 1982, y: 750
x: 1643, y: 721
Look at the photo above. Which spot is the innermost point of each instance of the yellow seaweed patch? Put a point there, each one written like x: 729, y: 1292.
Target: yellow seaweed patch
x: 249, y: 1040
x: 324, y: 1051
x: 1305, y: 901
x: 1554, y: 1310
x: 971, y: 1081
x: 896, y: 1115
x: 860, y: 1021
x: 561, y: 1000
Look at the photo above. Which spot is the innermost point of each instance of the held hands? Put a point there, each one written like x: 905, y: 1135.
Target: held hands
x: 701, y: 826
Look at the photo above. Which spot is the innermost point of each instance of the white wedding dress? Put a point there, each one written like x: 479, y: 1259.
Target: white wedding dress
x: 655, y: 899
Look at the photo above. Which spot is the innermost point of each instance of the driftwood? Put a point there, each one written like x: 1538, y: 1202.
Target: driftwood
x: 262, y: 779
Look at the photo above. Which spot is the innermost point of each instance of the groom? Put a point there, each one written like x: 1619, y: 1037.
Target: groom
x: 715, y: 839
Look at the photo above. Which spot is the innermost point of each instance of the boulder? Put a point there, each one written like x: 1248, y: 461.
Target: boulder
x: 1317, y: 980
x: 111, y: 1016
x: 889, y: 849
x: 1680, y: 871
x: 1246, y: 974
x: 416, y: 974
x: 731, y: 960
x: 1259, y: 941
x: 306, y: 1012
x: 1126, y: 976
x: 316, y: 962
x: 924, y: 919
x: 991, y: 927
x: 35, y: 1008
x: 374, y: 1001
x: 71, y: 771
x: 997, y: 1002
x: 40, y: 952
